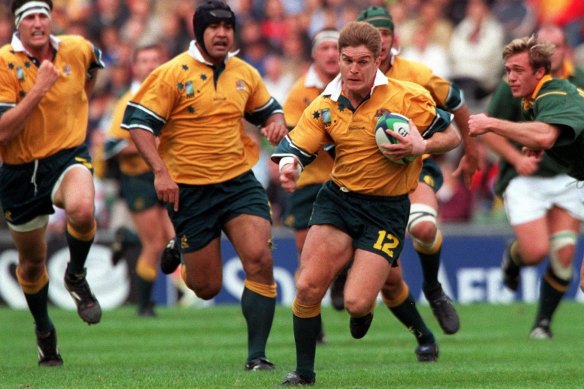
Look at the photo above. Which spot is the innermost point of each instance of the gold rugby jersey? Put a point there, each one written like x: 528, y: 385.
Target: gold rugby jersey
x: 59, y: 121
x: 446, y: 95
x: 197, y: 112
x: 359, y: 165
x: 118, y: 138
x: 303, y: 92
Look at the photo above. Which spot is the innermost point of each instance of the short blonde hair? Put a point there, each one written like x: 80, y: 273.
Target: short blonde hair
x: 356, y: 34
x: 540, y: 53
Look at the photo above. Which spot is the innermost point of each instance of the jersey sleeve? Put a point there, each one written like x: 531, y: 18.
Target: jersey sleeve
x: 261, y: 105
x: 8, y: 88
x: 306, y: 139
x: 147, y: 110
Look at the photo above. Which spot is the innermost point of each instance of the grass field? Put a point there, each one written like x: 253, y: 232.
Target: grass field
x: 205, y: 348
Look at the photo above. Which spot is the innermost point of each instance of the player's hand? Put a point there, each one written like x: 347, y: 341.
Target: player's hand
x: 528, y: 162
x: 411, y: 144
x: 47, y: 75
x: 469, y: 164
x: 166, y: 189
x: 275, y: 131
x: 478, y: 124
x: 289, y: 173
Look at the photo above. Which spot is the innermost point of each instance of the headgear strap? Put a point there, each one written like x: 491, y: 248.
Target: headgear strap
x: 31, y: 7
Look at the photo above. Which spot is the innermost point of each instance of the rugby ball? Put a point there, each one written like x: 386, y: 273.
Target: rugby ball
x: 392, y: 122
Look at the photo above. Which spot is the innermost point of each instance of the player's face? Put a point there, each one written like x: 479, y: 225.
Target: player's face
x: 326, y: 57
x: 218, y: 38
x: 146, y: 61
x: 34, y: 30
x: 523, y: 79
x: 358, y: 69
x: 386, y: 43
x: 556, y: 38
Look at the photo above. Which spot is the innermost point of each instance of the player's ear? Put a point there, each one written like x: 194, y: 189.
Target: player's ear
x: 539, y: 73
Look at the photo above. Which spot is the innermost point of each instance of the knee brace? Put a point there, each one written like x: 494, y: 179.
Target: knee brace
x: 558, y: 241
x: 424, y: 213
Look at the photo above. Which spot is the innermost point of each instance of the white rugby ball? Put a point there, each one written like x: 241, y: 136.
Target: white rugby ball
x: 393, y: 122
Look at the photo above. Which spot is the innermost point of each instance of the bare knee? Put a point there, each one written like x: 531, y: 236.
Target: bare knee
x: 259, y: 267
x: 309, y: 292
x: 203, y: 291
x: 533, y: 252
x: 392, y: 288
x: 31, y: 270
x: 82, y: 218
x: 424, y: 232
x: 358, y: 306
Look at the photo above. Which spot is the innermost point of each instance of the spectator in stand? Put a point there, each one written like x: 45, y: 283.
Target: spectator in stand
x: 423, y: 50
x: 475, y: 49
x: 437, y: 27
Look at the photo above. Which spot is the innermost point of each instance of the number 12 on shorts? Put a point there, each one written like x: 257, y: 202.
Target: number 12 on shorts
x: 386, y: 242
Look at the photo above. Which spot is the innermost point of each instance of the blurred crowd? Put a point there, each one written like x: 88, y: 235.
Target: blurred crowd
x: 461, y: 40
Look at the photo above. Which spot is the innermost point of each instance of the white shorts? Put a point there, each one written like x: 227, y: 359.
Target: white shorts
x: 530, y: 198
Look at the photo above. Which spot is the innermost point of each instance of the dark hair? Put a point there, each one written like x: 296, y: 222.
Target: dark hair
x: 18, y: 3
x: 210, y: 12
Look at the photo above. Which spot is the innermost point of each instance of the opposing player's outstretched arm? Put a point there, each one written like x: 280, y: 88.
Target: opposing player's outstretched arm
x: 524, y: 164
x: 469, y: 162
x: 535, y: 135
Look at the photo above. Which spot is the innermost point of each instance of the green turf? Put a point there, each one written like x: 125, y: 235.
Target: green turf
x: 205, y: 348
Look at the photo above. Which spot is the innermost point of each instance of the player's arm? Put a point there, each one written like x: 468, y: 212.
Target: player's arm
x: 434, y: 124
x: 524, y: 164
x: 166, y: 189
x: 449, y: 97
x: 95, y: 63
x: 274, y: 128
x: 144, y: 125
x: 12, y: 121
x: 90, y: 81
x: 469, y: 162
x: 534, y: 135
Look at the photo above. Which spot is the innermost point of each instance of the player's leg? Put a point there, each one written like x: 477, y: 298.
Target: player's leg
x: 251, y: 237
x: 75, y: 193
x: 326, y: 251
x: 397, y: 297
x: 150, y: 226
x: 526, y: 206
x: 368, y: 274
x: 33, y: 278
x: 427, y: 239
x: 245, y: 208
x: 564, y: 229
x: 300, y: 237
